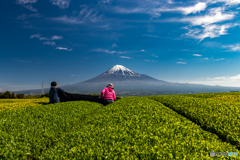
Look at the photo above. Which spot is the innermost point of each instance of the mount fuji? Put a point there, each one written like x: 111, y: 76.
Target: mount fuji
x: 127, y: 83
x: 120, y: 73
x: 126, y: 80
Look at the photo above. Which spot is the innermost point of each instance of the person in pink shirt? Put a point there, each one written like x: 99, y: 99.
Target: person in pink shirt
x: 109, y: 94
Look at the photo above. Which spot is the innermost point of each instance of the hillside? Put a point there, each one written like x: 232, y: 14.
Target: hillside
x: 153, y: 127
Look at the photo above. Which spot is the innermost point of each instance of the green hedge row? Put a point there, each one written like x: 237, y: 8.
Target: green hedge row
x: 210, y: 95
x: 221, y: 118
x: 130, y: 128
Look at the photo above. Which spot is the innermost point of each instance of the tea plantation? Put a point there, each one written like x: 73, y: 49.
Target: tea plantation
x: 151, y: 127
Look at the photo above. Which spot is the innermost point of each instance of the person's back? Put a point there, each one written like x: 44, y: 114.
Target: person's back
x: 54, y: 93
x: 109, y: 94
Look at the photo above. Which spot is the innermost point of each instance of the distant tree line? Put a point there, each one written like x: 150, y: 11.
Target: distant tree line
x: 8, y: 95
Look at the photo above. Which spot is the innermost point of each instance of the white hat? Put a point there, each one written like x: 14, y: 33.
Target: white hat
x: 110, y: 84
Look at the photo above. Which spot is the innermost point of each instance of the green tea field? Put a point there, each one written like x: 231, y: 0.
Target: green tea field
x: 161, y: 127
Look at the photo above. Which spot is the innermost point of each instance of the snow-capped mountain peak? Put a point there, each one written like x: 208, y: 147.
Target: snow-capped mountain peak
x: 119, y: 69
x: 120, y: 73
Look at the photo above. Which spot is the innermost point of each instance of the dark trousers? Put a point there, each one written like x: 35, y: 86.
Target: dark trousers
x: 108, y: 101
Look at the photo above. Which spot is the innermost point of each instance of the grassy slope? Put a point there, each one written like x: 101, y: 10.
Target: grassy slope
x: 134, y: 128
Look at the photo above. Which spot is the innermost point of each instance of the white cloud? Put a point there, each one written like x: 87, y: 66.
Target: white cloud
x: 27, y: 4
x: 170, y: 1
x: 181, y: 62
x: 215, y: 15
x: 29, y: 7
x: 26, y: 1
x: 66, y: 19
x: 212, y: 59
x: 105, y: 26
x: 219, y: 59
x: 130, y: 10
x: 49, y: 43
x: 22, y: 17
x: 155, y: 12
x: 227, y: 2
x: 211, y: 31
x: 237, y: 77
x: 198, y: 55
x: 148, y: 35
x: 216, y: 78
x: 150, y: 61
x: 62, y: 48
x: 235, y: 47
x: 142, y: 50
x: 121, y: 52
x: 56, y: 37
x: 114, y: 45
x: 105, y: 1
x: 154, y: 55
x: 44, y: 38
x: 35, y: 36
x: 125, y: 57
x: 85, y: 15
x: 89, y: 15
x: 200, y: 6
x: 62, y: 4
x: 103, y: 50
x: 208, y: 29
x: 231, y: 81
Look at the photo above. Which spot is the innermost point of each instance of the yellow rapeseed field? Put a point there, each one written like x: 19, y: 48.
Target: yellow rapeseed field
x: 11, y: 104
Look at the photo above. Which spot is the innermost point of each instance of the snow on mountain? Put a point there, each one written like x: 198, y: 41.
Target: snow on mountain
x: 119, y: 69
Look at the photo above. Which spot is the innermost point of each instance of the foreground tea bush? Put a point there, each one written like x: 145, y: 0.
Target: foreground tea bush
x: 222, y: 118
x: 227, y: 98
x: 130, y: 128
x: 27, y: 132
x: 11, y: 104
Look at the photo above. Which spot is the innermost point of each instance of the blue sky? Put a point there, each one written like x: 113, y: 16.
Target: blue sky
x: 70, y: 41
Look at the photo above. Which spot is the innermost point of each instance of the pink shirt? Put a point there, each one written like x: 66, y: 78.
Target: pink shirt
x: 108, y: 95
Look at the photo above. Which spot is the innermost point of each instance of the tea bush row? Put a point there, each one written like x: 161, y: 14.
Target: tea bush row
x: 222, y: 118
x: 227, y: 98
x: 210, y: 95
x: 130, y: 128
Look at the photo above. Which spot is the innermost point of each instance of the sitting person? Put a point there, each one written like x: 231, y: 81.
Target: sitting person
x: 109, y: 94
x: 54, y: 93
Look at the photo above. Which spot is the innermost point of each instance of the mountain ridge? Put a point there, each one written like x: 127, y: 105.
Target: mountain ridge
x: 120, y: 73
x: 127, y: 81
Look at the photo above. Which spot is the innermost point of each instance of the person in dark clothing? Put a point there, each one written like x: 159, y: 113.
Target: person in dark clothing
x: 54, y: 93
